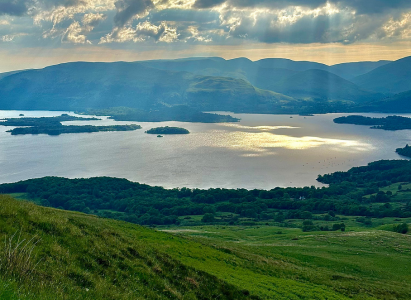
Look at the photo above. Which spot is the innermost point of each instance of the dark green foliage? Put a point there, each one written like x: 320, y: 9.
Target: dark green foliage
x: 406, y: 151
x: 387, y: 123
x: 167, y: 130
x: 208, y: 218
x: 401, y: 228
x: 43, y: 121
x: 53, y: 126
x: 147, y: 205
x: 57, y: 130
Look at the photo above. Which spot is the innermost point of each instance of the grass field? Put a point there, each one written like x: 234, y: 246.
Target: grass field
x: 84, y: 257
x: 360, y: 264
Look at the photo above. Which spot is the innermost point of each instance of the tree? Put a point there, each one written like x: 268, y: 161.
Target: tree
x: 208, y: 218
x: 401, y: 228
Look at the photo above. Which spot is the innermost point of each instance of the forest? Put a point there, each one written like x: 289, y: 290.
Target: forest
x: 61, y: 129
x: 168, y: 130
x: 356, y: 192
x: 406, y: 151
x: 53, y: 125
x: 388, y: 123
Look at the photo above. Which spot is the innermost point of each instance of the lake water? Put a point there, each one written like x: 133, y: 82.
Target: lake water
x: 261, y: 151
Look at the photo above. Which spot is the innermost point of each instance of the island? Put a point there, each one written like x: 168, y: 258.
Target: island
x: 53, y: 125
x: 43, y: 121
x: 179, y: 113
x: 406, y: 151
x: 387, y: 123
x: 167, y: 130
x: 57, y: 130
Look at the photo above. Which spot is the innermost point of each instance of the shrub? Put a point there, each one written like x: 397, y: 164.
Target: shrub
x: 401, y: 228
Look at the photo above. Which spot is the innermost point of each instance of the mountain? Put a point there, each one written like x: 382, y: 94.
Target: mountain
x: 289, y: 64
x: 392, y: 78
x: 82, y: 85
x: 273, y: 73
x: 351, y: 70
x: 320, y: 84
x: 2, y: 75
x: 399, y: 103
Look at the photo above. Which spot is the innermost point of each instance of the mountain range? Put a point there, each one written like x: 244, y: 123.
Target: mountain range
x: 212, y: 83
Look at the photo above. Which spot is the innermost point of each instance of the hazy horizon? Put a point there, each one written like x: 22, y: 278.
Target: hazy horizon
x: 34, y: 34
x: 190, y: 57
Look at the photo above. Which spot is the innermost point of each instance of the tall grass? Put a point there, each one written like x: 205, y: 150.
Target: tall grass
x: 17, y: 258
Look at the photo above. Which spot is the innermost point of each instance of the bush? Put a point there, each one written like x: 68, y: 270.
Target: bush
x: 208, y: 218
x: 401, y: 228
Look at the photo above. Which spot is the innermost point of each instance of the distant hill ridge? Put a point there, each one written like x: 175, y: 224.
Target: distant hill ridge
x: 211, y: 83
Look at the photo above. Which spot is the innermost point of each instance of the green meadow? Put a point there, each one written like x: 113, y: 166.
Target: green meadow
x: 79, y: 256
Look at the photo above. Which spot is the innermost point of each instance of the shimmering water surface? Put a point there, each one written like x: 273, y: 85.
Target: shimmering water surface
x: 261, y: 151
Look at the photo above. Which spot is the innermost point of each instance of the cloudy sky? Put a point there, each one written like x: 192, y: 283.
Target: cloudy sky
x: 36, y: 33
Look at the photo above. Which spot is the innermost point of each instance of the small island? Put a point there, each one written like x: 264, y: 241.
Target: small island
x: 389, y: 123
x: 406, y: 151
x: 57, y: 130
x: 53, y: 125
x: 43, y: 121
x: 167, y: 130
x: 179, y: 113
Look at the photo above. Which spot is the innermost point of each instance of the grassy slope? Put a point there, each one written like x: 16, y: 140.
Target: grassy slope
x: 362, y: 264
x: 117, y: 260
x: 83, y: 257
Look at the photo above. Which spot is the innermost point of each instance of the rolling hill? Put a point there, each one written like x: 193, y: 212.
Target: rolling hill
x: 292, y: 78
x: 351, y: 70
x: 392, y: 78
x: 77, y: 86
x: 319, y: 84
x: 399, y: 103
x: 238, y: 85
x: 76, y: 256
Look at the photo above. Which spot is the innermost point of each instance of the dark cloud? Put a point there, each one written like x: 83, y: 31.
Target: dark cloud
x: 374, y: 6
x: 127, y: 9
x: 338, y: 28
x: 361, y: 6
x: 179, y: 15
x: 260, y: 3
x: 23, y: 7
x: 208, y: 3
x: 13, y: 8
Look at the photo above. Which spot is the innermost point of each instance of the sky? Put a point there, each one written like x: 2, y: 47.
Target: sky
x: 37, y: 33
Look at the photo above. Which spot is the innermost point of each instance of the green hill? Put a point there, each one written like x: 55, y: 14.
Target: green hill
x: 399, y: 103
x: 78, y: 256
x: 320, y: 84
x: 392, y: 78
x: 79, y: 86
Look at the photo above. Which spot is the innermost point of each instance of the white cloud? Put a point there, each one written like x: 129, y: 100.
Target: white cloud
x: 142, y: 32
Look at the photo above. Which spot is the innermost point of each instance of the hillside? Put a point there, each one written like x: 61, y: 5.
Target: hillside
x: 399, y: 103
x: 392, y: 78
x: 319, y: 84
x: 76, y: 256
x: 80, y: 256
x: 228, y: 94
x: 79, y: 86
x: 351, y: 70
